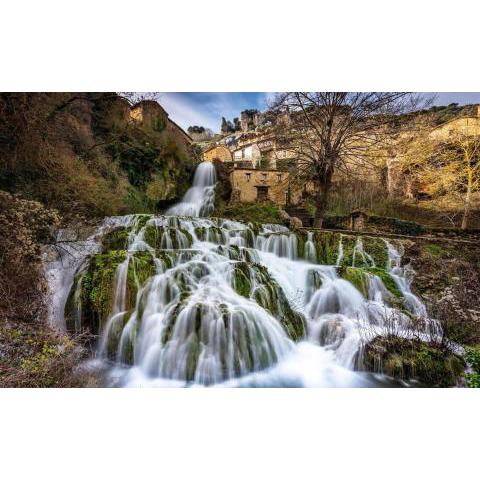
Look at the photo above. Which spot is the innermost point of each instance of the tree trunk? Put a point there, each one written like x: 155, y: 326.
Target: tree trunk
x: 468, y: 200
x: 466, y: 210
x: 321, y: 202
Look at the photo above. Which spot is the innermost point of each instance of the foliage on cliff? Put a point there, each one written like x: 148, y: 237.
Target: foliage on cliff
x: 81, y: 153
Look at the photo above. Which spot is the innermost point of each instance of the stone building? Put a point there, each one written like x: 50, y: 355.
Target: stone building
x: 151, y: 114
x: 217, y: 152
x: 253, y: 185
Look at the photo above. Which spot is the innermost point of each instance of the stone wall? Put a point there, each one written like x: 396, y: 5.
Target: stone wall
x: 151, y: 114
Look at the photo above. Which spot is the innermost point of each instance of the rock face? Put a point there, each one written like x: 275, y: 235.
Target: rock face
x: 448, y: 279
x: 295, y: 223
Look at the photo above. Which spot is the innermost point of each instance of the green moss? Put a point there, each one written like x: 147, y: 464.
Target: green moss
x: 153, y: 236
x: 259, y: 212
x: 270, y: 296
x: 377, y: 249
x: 115, y: 240
x: 387, y: 280
x: 326, y: 244
x: 98, y: 281
x: 357, y: 277
x: 97, y: 288
x: 140, y: 268
x: 241, y: 279
x: 429, y: 364
x: 436, y: 251
x: 141, y: 221
x: 472, y: 357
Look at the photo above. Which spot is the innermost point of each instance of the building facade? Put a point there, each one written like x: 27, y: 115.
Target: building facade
x: 217, y: 152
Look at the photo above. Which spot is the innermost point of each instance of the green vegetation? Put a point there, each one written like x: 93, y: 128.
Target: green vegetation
x: 260, y: 212
x: 436, y: 250
x: 472, y: 357
x: 254, y: 281
x: 411, y: 360
x: 155, y: 237
x: 98, y: 287
x: 359, y: 278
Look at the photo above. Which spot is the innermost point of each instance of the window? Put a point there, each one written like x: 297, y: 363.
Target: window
x: 262, y: 193
x: 248, y: 175
x: 279, y: 177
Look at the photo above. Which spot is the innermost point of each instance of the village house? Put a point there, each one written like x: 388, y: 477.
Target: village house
x: 217, y: 152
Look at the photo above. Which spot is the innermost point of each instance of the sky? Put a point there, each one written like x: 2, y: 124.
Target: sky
x: 207, y: 109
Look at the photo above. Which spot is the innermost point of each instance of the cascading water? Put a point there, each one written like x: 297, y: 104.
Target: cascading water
x: 199, y: 199
x: 204, y: 301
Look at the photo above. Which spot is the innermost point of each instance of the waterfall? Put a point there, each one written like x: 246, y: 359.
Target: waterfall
x: 190, y: 300
x: 198, y: 201
x: 310, y: 250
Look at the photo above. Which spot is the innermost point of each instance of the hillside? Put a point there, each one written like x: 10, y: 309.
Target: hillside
x: 83, y: 153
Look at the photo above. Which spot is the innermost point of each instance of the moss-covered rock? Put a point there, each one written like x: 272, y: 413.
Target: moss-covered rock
x: 377, y: 249
x: 387, y: 280
x: 326, y: 244
x: 412, y: 360
x: 358, y: 277
x: 156, y: 237
x: 98, y: 288
x: 269, y: 295
x: 116, y: 239
x: 241, y: 279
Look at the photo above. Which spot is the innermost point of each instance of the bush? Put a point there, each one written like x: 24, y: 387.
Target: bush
x: 24, y: 226
x: 472, y: 357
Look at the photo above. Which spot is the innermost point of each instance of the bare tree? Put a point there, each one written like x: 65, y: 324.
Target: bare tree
x: 336, y: 132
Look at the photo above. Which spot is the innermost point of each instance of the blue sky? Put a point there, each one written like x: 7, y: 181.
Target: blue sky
x: 207, y: 109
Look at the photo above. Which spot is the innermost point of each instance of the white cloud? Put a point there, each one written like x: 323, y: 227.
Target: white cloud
x: 186, y: 112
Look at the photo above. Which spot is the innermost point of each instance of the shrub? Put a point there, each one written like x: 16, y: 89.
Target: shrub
x: 472, y: 357
x: 24, y: 226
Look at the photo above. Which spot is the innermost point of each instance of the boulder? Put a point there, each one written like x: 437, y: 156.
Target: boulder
x: 295, y: 222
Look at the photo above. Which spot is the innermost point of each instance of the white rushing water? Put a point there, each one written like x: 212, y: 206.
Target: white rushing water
x: 199, y: 199
x: 233, y: 304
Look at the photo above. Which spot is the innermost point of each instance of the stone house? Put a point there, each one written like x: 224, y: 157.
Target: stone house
x: 217, y: 152
x: 253, y: 185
